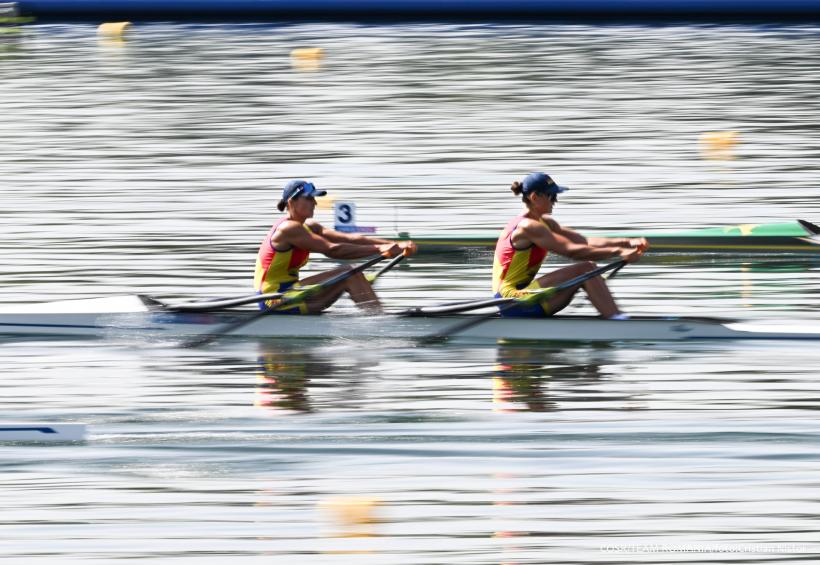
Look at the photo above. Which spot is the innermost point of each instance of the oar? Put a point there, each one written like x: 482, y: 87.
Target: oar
x: 534, y: 298
x: 223, y: 303
x: 292, y: 297
x: 470, y: 305
x: 813, y: 229
x: 210, y: 305
x: 371, y: 278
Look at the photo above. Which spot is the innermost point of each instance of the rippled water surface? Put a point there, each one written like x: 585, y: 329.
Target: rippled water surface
x: 153, y: 165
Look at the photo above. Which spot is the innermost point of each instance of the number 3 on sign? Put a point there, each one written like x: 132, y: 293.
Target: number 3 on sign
x: 344, y: 214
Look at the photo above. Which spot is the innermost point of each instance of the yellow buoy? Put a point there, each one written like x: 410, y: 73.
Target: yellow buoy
x: 718, y: 145
x: 308, y: 53
x: 113, y: 29
x: 719, y: 138
x: 351, y: 510
x: 307, y: 58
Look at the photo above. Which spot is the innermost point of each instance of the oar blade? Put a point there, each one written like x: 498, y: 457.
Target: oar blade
x: 813, y: 229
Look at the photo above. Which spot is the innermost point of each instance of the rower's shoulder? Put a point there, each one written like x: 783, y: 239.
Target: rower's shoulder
x: 292, y: 228
x: 314, y: 226
x: 289, y: 225
x: 544, y: 222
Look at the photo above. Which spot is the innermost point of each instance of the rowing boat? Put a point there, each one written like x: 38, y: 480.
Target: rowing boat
x: 130, y: 315
x: 798, y: 237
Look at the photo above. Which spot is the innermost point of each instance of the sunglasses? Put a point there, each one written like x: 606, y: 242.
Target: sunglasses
x: 296, y: 193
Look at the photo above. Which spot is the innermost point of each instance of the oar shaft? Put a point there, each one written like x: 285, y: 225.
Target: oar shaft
x: 224, y: 303
x: 297, y: 297
x: 219, y: 304
x: 580, y: 279
x: 393, y: 262
x: 540, y: 296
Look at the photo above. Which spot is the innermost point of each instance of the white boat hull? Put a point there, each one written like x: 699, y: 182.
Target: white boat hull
x: 127, y: 316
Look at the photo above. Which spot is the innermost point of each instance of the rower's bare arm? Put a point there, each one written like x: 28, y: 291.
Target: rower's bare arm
x: 341, y: 237
x: 296, y: 235
x: 576, y: 237
x: 406, y: 247
x: 568, y: 233
x: 625, y: 242
x: 543, y: 237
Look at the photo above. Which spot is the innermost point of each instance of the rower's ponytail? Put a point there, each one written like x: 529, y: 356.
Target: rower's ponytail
x: 281, y: 205
x: 518, y: 188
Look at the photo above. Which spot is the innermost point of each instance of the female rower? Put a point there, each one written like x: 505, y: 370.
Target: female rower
x: 525, y: 242
x: 287, y: 247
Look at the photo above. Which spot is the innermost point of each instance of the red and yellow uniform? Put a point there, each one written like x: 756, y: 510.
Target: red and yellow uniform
x: 278, y: 271
x: 514, y: 271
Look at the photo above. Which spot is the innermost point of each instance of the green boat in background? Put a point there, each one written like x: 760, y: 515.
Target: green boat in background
x: 797, y: 237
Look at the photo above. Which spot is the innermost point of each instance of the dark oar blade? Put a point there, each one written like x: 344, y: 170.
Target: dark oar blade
x: 297, y: 297
x: 813, y: 229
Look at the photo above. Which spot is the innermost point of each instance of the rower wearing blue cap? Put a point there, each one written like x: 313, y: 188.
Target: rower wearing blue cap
x: 528, y: 238
x: 289, y: 242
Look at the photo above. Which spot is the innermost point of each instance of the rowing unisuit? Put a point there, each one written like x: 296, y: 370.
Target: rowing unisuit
x: 514, y: 269
x: 277, y: 270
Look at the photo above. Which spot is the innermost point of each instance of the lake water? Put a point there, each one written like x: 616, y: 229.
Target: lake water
x: 153, y: 165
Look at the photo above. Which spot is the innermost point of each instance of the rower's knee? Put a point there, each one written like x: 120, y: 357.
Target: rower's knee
x: 585, y: 267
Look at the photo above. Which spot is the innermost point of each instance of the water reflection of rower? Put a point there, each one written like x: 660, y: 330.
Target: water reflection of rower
x: 522, y: 376
x: 289, y: 378
x: 281, y: 385
x: 284, y: 375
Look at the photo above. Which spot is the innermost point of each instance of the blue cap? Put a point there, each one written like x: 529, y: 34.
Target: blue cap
x: 541, y: 182
x: 296, y: 188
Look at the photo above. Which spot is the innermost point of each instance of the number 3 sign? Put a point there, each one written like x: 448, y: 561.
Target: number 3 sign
x: 344, y: 218
x: 344, y: 214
